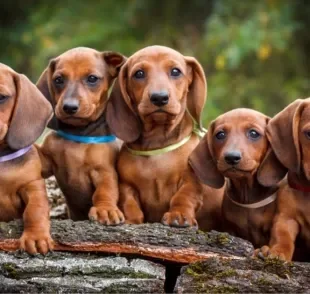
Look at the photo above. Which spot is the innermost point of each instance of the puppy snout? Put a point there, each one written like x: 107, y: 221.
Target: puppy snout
x: 232, y: 157
x: 159, y: 98
x: 70, y: 106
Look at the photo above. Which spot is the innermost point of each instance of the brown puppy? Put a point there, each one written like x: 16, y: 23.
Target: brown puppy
x: 235, y: 147
x: 77, y: 84
x: 150, y: 109
x: 24, y: 113
x: 289, y: 135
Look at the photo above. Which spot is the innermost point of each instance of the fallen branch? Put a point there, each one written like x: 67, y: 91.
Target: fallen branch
x: 148, y: 240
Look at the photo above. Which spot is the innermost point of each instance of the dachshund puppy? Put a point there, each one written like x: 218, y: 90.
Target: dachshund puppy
x: 152, y: 107
x: 235, y: 147
x: 289, y: 135
x: 24, y: 113
x: 82, y: 152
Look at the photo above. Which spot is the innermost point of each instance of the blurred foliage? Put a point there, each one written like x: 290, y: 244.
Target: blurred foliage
x: 255, y: 53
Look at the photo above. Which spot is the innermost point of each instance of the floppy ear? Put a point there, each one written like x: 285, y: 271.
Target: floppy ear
x: 114, y: 60
x: 282, y: 133
x: 30, y: 116
x: 44, y: 85
x: 197, y: 92
x: 121, y: 119
x: 271, y: 170
x: 202, y: 162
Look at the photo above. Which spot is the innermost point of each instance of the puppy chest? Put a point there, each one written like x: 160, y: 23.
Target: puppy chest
x: 11, y: 204
x: 153, y: 170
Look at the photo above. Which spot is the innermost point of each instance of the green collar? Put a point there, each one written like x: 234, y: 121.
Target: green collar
x: 161, y: 150
x: 199, y: 132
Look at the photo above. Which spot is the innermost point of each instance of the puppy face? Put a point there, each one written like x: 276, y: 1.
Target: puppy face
x: 20, y: 121
x: 289, y: 135
x: 235, y: 147
x: 77, y: 83
x: 7, y: 99
x: 156, y: 85
x: 304, y: 138
x: 238, y: 142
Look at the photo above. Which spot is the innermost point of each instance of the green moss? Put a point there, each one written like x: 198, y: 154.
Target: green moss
x: 204, y: 288
x: 191, y: 272
x: 263, y: 282
x: 10, y: 269
x: 278, y: 267
x: 226, y: 273
x: 140, y: 275
x: 223, y: 238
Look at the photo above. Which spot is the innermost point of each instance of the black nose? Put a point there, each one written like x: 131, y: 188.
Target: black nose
x: 160, y: 98
x: 71, y: 107
x: 232, y: 157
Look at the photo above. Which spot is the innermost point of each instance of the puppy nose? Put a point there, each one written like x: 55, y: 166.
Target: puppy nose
x: 71, y: 107
x: 232, y: 157
x: 160, y: 98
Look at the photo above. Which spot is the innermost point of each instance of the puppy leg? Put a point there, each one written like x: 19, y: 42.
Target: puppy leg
x: 129, y: 203
x: 36, y: 237
x: 46, y: 161
x: 185, y: 203
x: 105, y: 198
x: 282, y: 242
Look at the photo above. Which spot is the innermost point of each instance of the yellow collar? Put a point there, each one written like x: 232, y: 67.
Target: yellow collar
x: 161, y: 150
x: 196, y: 130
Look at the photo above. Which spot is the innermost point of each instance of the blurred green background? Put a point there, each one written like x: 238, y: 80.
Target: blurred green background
x: 255, y: 53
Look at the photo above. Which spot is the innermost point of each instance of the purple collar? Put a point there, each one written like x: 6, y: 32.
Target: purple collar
x: 15, y: 154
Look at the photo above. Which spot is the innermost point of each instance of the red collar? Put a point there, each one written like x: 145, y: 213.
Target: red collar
x: 297, y: 186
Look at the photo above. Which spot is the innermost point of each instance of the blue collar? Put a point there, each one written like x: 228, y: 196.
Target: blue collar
x: 86, y: 139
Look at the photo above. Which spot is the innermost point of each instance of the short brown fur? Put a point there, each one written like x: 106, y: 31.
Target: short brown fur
x: 22, y: 189
x: 289, y: 134
x: 211, y: 161
x: 152, y: 188
x: 85, y: 172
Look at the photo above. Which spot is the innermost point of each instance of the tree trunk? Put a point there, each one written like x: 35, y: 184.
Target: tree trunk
x: 142, y: 259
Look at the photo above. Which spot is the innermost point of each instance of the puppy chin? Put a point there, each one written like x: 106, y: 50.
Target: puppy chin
x: 161, y: 117
x: 77, y: 119
x: 3, y: 131
x: 238, y: 171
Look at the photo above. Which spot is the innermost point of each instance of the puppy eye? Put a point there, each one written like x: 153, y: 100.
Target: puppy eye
x: 307, y: 134
x: 59, y: 81
x: 140, y: 74
x: 92, y: 79
x: 175, y: 72
x: 253, y: 134
x: 221, y: 135
x: 3, y: 98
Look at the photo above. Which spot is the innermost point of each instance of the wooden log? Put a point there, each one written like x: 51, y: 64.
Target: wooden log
x: 78, y: 273
x: 245, y: 275
x: 179, y: 245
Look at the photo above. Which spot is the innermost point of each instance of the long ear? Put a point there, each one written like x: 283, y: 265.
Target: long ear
x: 197, y: 93
x: 271, y: 170
x: 30, y: 116
x: 121, y: 119
x: 114, y: 60
x: 202, y: 162
x: 282, y: 133
x: 44, y: 85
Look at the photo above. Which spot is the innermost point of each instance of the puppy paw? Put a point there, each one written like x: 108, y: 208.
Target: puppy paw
x: 178, y: 219
x: 266, y: 252
x: 33, y: 242
x: 109, y: 216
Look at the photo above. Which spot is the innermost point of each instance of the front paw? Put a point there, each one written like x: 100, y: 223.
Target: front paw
x: 266, y: 252
x: 36, y: 242
x: 109, y: 216
x: 179, y: 219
